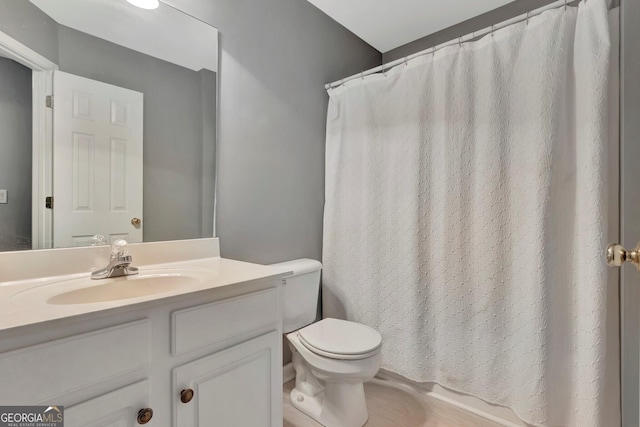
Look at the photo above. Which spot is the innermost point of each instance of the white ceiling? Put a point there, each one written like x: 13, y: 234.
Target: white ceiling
x: 387, y: 24
x: 164, y: 33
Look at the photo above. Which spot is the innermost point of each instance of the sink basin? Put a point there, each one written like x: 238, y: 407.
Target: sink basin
x: 120, y: 288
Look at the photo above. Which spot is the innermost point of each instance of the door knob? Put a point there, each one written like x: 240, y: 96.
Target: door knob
x: 135, y: 222
x: 617, y: 255
x: 145, y: 415
x: 186, y: 395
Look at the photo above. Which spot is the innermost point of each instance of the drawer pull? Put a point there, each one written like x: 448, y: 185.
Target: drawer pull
x: 186, y: 395
x: 145, y: 415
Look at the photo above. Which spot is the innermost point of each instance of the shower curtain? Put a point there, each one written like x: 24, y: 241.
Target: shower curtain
x: 466, y: 214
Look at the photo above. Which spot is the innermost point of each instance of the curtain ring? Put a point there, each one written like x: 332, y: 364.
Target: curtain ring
x: 433, y: 52
x: 528, y: 18
x: 362, y: 75
x: 492, y: 30
x: 383, y: 72
x: 566, y: 3
x: 406, y: 63
x: 342, y: 82
x: 459, y: 42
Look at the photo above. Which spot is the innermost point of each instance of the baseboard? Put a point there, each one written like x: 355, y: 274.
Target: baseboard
x: 479, y: 408
x: 288, y: 373
x: 471, y: 409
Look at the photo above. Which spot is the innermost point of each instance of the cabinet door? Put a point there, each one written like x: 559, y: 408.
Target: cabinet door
x: 237, y: 387
x: 118, y: 408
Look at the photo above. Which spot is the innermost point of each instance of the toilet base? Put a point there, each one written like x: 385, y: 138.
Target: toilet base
x: 338, y: 405
x: 331, y: 390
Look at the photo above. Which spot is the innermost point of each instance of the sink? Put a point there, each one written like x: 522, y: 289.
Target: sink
x: 81, y: 289
x: 120, y: 288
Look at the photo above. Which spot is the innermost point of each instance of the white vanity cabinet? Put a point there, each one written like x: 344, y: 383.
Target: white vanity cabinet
x: 118, y: 408
x: 50, y: 372
x: 236, y: 387
x: 240, y: 385
x: 105, y: 369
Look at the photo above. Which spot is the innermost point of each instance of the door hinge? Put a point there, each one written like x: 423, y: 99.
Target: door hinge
x: 49, y: 101
x: 48, y: 202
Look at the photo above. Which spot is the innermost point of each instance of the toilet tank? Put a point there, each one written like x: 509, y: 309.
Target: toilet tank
x: 299, y: 292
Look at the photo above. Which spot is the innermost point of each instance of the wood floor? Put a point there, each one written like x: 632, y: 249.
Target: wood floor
x: 395, y: 406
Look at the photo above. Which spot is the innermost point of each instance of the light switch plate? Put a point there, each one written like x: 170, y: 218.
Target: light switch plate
x: 3, y: 196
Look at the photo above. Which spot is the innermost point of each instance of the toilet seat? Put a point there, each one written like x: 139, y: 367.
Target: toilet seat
x: 341, y: 339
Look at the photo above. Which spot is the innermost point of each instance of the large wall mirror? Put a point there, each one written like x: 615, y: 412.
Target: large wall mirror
x: 107, y: 123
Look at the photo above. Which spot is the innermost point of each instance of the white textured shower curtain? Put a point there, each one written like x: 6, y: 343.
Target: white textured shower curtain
x: 465, y: 214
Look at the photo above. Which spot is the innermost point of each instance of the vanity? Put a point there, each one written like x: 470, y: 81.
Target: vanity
x: 193, y: 339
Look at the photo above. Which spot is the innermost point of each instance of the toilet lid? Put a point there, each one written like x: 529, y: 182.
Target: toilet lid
x: 340, y: 337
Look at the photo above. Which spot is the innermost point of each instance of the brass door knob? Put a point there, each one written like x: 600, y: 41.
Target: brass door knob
x: 617, y: 255
x: 145, y: 415
x: 186, y: 395
x: 135, y: 222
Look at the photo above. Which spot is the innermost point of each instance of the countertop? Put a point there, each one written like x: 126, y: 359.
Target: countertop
x: 25, y: 302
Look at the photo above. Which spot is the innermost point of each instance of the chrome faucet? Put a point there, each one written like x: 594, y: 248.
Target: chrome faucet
x: 119, y: 264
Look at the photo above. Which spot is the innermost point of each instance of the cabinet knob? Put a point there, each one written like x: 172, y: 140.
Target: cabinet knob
x: 145, y: 415
x: 186, y: 395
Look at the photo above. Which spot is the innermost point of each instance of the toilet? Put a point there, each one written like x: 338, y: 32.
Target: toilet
x: 332, y: 358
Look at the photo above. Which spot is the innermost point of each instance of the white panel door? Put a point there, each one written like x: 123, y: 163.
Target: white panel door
x: 97, y: 161
x: 237, y: 387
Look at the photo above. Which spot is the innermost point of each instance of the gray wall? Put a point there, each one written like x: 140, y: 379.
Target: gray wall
x: 25, y: 22
x: 208, y: 91
x: 276, y: 56
x: 479, y: 22
x: 15, y: 155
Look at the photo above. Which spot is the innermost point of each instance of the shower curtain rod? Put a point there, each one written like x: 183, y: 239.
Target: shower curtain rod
x: 459, y: 40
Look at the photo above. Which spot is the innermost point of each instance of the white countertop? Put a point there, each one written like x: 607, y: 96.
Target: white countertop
x: 25, y: 302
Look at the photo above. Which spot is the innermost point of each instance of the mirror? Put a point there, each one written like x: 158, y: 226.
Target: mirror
x: 128, y: 148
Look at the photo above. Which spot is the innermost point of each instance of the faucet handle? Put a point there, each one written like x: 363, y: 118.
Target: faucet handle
x: 98, y: 240
x: 119, y: 248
